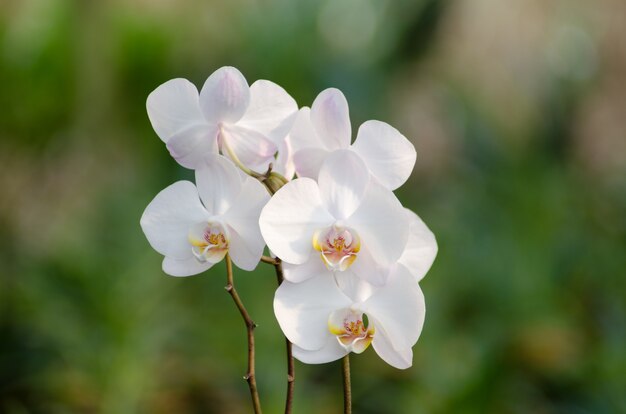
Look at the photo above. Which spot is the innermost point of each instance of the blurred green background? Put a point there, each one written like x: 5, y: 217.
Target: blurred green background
x: 518, y: 112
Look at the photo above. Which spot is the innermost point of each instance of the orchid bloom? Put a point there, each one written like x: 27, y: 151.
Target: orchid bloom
x: 194, y: 227
x: 326, y: 128
x: 245, y: 123
x: 328, y: 317
x: 345, y: 220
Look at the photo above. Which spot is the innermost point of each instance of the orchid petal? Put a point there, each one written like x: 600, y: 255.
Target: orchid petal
x: 173, y: 107
x: 331, y: 351
x: 401, y: 359
x: 184, y: 267
x: 225, y: 96
x: 381, y: 223
x: 247, y: 244
x: 366, y: 268
x: 343, y: 180
x: 389, y: 156
x: 302, y: 133
x: 284, y: 164
x: 301, y: 272
x: 271, y: 111
x: 192, y: 145
x: 169, y: 216
x: 399, y: 309
x: 331, y: 119
x: 250, y: 147
x: 302, y: 310
x: 421, y: 248
x: 308, y: 161
x: 290, y: 219
x: 219, y: 183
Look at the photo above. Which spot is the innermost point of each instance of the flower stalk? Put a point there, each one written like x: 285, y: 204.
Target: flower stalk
x: 347, y: 389
x: 250, y: 376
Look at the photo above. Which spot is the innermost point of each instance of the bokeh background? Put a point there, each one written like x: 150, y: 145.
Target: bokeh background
x: 517, y: 109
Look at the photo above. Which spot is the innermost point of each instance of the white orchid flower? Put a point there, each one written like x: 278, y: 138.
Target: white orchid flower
x: 246, y: 123
x: 344, y: 220
x: 421, y: 247
x: 328, y: 317
x: 325, y: 128
x: 194, y: 227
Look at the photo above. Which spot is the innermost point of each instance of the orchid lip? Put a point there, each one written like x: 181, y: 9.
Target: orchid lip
x: 338, y: 246
x: 209, y: 242
x: 352, y: 329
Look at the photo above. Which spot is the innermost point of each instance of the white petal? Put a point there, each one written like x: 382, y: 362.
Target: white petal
x: 247, y: 244
x: 421, y: 248
x: 252, y: 148
x: 192, y: 145
x: 354, y: 286
x: 366, y: 268
x: 168, y: 218
x: 389, y: 156
x: 225, y: 96
x: 398, y: 308
x: 302, y: 310
x: 284, y: 160
x: 382, y: 224
x: 219, y: 183
x: 331, y: 351
x: 271, y: 111
x: 185, y: 267
x: 308, y: 161
x: 401, y: 359
x: 172, y: 107
x: 331, y: 119
x: 290, y: 219
x: 302, y: 133
x: 343, y: 180
x: 301, y: 272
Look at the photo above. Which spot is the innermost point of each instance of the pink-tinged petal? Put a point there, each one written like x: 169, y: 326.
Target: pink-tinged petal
x: 169, y: 217
x: 301, y: 272
x: 343, y: 180
x: 382, y: 224
x: 219, y: 183
x: 290, y: 219
x: 303, y: 134
x: 173, y: 107
x: 225, y: 96
x: 185, y: 267
x: 192, y: 145
x: 247, y: 244
x: 331, y: 119
x: 421, y: 248
x: 302, y: 310
x: 331, y: 351
x: 398, y: 309
x: 389, y: 156
x: 252, y: 148
x: 271, y: 112
x: 366, y: 268
x: 401, y: 359
x: 308, y: 161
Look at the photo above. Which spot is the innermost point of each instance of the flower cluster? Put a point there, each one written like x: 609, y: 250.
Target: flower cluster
x: 352, y: 255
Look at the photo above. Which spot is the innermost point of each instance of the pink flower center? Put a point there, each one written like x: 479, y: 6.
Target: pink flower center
x: 338, y: 246
x: 209, y: 242
x: 352, y: 331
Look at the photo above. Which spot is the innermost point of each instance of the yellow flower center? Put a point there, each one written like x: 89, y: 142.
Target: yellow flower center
x: 209, y: 242
x: 338, y: 246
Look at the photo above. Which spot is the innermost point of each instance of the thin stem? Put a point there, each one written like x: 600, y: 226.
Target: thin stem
x: 347, y: 392
x: 250, y: 376
x: 270, y: 260
x: 291, y: 369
